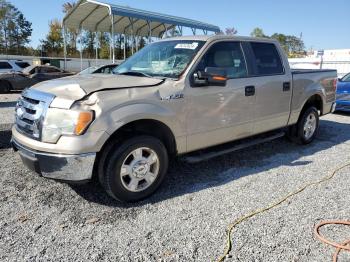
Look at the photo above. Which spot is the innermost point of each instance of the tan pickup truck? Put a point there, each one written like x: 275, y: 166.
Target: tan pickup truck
x: 186, y: 96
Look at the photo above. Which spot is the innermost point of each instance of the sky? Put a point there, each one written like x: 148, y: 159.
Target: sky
x: 324, y: 24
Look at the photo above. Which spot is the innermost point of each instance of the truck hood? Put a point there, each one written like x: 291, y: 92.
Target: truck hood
x: 78, y: 86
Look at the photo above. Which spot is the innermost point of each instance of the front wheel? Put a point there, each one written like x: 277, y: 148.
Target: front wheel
x: 135, y: 169
x: 305, y: 131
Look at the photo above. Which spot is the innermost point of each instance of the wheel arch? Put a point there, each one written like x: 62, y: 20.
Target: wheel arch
x: 150, y: 127
x: 314, y: 100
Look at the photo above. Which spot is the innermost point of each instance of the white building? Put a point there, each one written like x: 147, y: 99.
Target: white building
x: 338, y: 59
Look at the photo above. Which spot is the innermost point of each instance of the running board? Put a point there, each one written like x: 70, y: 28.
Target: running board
x: 207, y: 154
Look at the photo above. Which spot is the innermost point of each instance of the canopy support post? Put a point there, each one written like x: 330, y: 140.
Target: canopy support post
x: 112, y: 40
x: 124, y: 46
x: 137, y: 43
x: 64, y: 47
x: 96, y: 46
x: 149, y: 32
x: 132, y: 35
x: 166, y: 31
x: 180, y: 30
x: 81, y: 47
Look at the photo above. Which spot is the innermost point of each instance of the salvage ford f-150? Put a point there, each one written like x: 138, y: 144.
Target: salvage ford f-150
x: 178, y: 96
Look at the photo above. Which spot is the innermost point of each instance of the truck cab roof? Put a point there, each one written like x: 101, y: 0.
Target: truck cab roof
x: 220, y: 37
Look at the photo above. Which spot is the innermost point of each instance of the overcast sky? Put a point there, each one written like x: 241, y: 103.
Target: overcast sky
x: 323, y: 24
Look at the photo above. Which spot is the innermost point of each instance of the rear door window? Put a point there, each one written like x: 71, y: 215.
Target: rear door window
x: 52, y: 70
x: 5, y: 65
x: 346, y: 78
x: 267, y: 59
x: 22, y: 64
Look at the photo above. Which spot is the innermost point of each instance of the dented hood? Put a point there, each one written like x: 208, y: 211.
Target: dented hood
x: 77, y: 87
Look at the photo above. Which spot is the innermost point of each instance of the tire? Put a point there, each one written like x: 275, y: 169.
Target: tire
x: 5, y: 87
x: 133, y: 170
x: 305, y: 131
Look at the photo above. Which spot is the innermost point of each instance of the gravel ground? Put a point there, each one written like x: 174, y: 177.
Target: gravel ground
x: 186, y: 220
x: 7, y: 104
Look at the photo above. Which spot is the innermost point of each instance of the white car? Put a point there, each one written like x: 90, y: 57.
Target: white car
x: 12, y: 65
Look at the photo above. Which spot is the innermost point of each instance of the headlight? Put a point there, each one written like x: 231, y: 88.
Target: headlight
x: 60, y: 122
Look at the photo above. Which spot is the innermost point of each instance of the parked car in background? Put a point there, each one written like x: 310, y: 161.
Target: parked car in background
x: 29, y: 76
x: 105, y: 69
x: 343, y: 94
x: 12, y: 65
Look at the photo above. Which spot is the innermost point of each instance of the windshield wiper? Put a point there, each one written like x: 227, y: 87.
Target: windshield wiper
x: 133, y: 73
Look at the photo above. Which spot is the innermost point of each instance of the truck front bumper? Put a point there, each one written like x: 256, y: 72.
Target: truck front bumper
x: 70, y: 168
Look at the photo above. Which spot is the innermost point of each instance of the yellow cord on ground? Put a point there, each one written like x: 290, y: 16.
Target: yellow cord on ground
x: 262, y: 210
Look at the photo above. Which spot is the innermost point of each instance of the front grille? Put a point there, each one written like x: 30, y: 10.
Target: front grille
x: 30, y: 112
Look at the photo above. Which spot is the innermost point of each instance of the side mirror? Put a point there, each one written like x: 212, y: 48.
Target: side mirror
x: 339, y: 79
x: 211, y: 76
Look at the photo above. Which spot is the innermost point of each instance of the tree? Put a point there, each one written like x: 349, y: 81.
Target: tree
x: 282, y: 39
x: 53, y: 44
x: 71, y: 35
x: 231, y: 31
x: 295, y: 44
x: 104, y: 46
x: 292, y: 45
x: 88, y: 42
x: 15, y: 30
x: 68, y: 6
x: 23, y: 30
x: 258, y: 32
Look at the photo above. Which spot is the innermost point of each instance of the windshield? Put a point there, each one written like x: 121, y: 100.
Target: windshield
x: 28, y: 69
x: 346, y: 78
x: 89, y: 70
x: 163, y: 59
x: 22, y: 64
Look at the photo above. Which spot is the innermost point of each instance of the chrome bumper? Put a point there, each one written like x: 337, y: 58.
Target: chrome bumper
x: 74, y: 168
x: 334, y: 106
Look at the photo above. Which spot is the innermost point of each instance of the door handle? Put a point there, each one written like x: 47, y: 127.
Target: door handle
x: 249, y: 90
x: 286, y: 86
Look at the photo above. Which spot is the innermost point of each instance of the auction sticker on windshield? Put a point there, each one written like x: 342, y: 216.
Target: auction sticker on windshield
x: 192, y: 46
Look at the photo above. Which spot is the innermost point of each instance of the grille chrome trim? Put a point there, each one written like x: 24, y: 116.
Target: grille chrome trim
x: 31, y: 109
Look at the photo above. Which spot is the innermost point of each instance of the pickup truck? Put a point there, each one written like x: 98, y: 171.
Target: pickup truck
x: 185, y: 96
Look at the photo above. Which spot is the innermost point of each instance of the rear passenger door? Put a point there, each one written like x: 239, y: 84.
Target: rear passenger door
x: 272, y: 81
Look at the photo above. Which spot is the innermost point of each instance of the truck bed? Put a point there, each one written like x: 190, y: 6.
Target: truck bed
x: 303, y: 79
x: 310, y: 71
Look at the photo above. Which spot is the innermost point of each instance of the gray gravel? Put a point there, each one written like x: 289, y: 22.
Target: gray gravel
x: 7, y: 104
x: 186, y: 220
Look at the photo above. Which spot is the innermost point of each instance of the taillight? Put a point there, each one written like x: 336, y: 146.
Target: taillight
x: 335, y: 81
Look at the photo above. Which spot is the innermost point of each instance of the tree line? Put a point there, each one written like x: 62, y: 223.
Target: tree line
x: 293, y: 46
x: 16, y: 30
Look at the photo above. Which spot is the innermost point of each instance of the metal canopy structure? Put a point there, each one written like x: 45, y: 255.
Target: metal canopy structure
x: 97, y: 16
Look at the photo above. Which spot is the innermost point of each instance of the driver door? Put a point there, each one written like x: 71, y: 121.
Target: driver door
x: 218, y: 114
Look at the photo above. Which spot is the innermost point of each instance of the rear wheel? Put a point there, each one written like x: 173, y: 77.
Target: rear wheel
x: 305, y: 131
x: 134, y: 169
